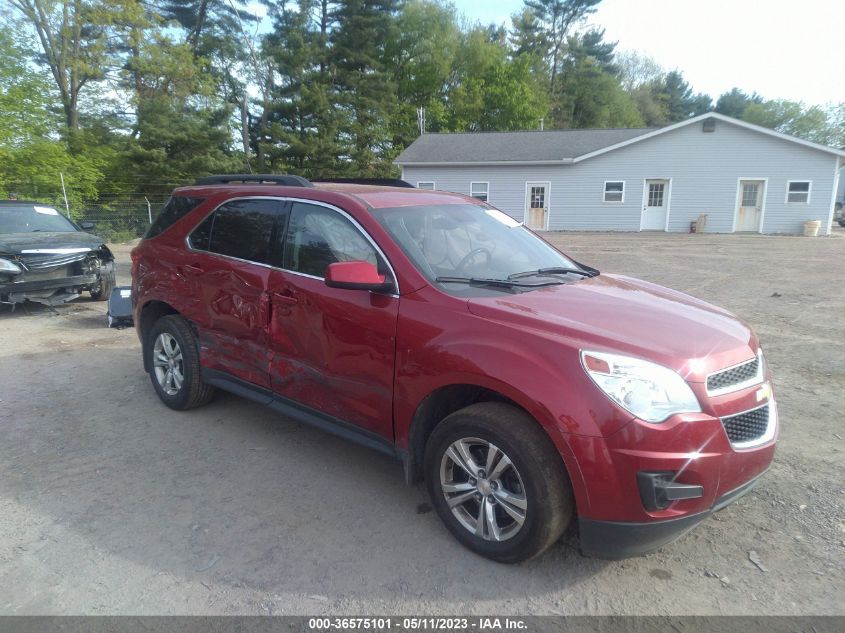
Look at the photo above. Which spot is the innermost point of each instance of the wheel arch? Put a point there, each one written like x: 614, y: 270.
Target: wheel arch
x: 151, y: 312
x: 447, y: 399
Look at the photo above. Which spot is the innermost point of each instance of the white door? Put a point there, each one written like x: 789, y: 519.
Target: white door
x: 536, y: 205
x: 749, y: 205
x: 655, y: 205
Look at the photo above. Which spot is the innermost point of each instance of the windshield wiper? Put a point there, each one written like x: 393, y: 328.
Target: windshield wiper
x: 481, y: 281
x: 555, y: 270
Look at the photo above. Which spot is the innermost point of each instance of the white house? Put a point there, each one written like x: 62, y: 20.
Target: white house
x: 742, y: 176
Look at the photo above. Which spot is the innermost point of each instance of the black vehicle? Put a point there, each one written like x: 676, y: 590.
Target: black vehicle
x: 44, y: 257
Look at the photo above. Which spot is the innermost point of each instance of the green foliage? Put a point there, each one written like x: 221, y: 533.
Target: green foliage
x: 422, y: 58
x: 33, y: 171
x: 797, y: 119
x: 734, y: 102
x: 492, y: 92
x: 25, y: 98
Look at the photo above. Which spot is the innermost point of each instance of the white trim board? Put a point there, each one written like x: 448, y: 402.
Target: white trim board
x: 837, y: 174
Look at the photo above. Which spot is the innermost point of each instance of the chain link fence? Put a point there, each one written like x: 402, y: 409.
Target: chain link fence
x: 117, y: 217
x: 121, y: 218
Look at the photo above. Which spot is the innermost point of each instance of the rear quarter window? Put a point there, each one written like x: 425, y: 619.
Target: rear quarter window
x: 175, y: 209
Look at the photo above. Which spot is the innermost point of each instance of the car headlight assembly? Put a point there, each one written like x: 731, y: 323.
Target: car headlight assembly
x: 649, y: 391
x: 9, y: 267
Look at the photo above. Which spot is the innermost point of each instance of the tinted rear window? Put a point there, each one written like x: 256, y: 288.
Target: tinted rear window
x: 175, y: 209
x: 241, y: 228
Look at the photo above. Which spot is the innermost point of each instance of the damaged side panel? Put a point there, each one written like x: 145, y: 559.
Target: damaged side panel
x: 225, y: 299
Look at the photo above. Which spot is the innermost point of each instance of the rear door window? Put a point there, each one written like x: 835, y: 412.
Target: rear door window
x: 245, y: 229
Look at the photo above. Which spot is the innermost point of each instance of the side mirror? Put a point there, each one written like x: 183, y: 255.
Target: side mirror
x: 86, y: 226
x: 356, y: 276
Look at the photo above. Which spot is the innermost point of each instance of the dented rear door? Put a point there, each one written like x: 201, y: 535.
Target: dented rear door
x: 229, y: 264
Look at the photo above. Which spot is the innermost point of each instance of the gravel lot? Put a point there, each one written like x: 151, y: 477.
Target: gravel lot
x: 110, y: 503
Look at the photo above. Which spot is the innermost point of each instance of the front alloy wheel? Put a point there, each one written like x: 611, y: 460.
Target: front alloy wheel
x: 483, y: 489
x: 497, y: 481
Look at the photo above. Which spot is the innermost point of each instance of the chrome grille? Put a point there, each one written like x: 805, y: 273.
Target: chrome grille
x: 733, y: 376
x: 747, y: 426
x: 39, y: 261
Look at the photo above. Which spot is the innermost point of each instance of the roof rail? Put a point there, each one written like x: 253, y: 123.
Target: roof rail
x: 275, y: 179
x: 381, y: 182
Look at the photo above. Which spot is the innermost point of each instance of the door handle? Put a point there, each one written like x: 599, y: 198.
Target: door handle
x: 288, y: 299
x: 193, y: 268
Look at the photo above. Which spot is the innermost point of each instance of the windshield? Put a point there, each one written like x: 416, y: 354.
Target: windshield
x: 27, y: 218
x: 468, y: 243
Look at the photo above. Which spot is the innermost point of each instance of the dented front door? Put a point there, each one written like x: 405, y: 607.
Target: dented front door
x: 333, y: 349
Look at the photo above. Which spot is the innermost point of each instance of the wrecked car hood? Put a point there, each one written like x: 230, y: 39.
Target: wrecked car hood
x: 17, y: 243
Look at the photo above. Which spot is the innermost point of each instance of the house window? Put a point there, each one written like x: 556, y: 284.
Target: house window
x: 422, y: 184
x: 538, y: 197
x: 655, y: 194
x: 479, y: 190
x: 750, y: 194
x: 798, y: 191
x: 614, y: 191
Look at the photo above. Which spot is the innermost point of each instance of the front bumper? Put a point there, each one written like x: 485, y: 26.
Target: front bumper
x: 44, y: 290
x: 615, y: 540
x: 621, y: 515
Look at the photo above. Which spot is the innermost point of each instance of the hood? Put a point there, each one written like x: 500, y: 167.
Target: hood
x: 15, y: 243
x: 629, y: 316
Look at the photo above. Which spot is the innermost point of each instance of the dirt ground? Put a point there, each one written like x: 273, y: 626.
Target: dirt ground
x: 111, y: 503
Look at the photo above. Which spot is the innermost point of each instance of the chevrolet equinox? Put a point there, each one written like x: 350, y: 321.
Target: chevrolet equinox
x: 528, y: 390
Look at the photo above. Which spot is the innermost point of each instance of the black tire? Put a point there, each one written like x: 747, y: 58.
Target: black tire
x: 539, y: 470
x: 105, y: 284
x: 192, y: 392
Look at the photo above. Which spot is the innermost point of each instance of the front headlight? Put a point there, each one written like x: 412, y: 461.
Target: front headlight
x: 9, y: 267
x: 649, y: 391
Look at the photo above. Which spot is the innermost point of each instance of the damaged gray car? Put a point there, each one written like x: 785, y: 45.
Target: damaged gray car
x: 46, y: 258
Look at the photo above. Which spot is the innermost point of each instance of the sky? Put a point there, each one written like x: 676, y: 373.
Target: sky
x: 783, y: 50
x: 780, y: 49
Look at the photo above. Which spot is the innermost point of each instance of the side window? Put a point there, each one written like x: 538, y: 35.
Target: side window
x: 201, y: 236
x: 175, y: 209
x: 318, y: 236
x: 241, y: 228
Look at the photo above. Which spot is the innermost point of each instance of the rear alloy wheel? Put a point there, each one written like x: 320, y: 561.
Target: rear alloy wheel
x: 497, y: 482
x: 172, y: 357
x: 168, y: 364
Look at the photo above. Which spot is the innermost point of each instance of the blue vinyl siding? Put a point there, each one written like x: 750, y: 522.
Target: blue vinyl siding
x: 704, y: 168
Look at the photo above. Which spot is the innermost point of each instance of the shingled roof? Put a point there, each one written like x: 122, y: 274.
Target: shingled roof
x: 513, y: 147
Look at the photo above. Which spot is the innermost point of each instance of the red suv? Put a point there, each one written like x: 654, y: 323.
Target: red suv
x: 525, y: 388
